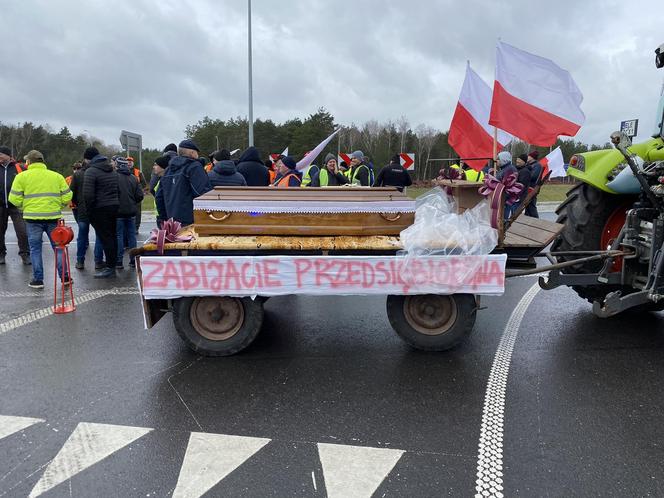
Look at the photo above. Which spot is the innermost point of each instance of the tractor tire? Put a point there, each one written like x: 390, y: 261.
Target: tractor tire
x: 586, y: 215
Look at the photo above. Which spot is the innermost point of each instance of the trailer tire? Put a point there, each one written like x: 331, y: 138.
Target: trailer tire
x: 432, y: 322
x: 586, y: 214
x: 217, y: 326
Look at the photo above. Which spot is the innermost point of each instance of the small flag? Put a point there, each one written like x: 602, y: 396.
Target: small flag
x: 555, y: 163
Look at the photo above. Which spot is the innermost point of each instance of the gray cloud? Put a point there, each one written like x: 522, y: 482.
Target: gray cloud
x: 156, y: 66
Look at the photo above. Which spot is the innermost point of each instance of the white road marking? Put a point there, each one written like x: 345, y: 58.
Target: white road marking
x: 355, y: 471
x: 33, y: 316
x: 10, y: 425
x: 210, y: 458
x: 87, y: 445
x: 489, y: 481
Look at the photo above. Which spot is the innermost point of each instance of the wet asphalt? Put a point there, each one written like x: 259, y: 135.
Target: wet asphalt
x: 582, y: 409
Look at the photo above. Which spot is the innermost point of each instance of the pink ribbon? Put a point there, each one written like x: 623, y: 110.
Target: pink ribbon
x: 494, y: 189
x: 168, y: 233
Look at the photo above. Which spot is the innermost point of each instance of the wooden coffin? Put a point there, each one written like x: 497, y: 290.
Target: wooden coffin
x: 326, y: 211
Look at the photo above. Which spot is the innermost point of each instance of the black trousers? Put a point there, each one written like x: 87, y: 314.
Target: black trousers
x: 103, y: 221
x: 19, y: 227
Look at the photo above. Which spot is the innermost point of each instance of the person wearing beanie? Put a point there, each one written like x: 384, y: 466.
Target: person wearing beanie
x: 41, y: 194
x: 183, y: 181
x: 359, y: 173
x: 394, y: 175
x: 170, y: 148
x: 130, y: 196
x: 252, y: 168
x: 101, y: 197
x: 329, y: 175
x: 10, y: 169
x: 287, y: 174
x: 535, y: 179
x: 224, y: 172
x: 505, y: 165
x: 82, y: 218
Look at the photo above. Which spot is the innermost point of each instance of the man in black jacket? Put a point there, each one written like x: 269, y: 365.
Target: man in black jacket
x: 130, y: 195
x: 101, y: 197
x: 184, y: 180
x: 8, y: 171
x: 82, y: 219
x: 253, y: 169
x: 224, y: 172
x: 394, y: 175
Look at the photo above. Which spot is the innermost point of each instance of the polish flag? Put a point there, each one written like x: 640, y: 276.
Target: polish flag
x: 470, y: 134
x: 555, y: 163
x: 533, y: 98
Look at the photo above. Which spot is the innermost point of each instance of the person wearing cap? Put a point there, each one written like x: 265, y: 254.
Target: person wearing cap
x: 359, y: 173
x: 252, y: 168
x: 41, y: 194
x: 394, y: 175
x: 130, y: 196
x: 224, y: 172
x: 184, y: 180
x: 101, y: 197
x: 158, y: 169
x: 138, y: 174
x: 9, y: 170
x: 329, y: 175
x: 535, y: 178
x: 287, y: 174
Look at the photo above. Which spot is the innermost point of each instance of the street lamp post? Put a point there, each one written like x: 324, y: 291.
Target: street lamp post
x: 251, y: 91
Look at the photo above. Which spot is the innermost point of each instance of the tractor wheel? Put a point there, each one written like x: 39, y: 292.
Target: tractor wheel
x: 592, y: 220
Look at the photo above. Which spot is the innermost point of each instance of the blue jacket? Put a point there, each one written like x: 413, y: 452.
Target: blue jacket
x: 225, y: 173
x: 505, y: 169
x: 183, y: 181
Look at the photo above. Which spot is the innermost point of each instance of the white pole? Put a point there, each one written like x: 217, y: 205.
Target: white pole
x: 251, y: 96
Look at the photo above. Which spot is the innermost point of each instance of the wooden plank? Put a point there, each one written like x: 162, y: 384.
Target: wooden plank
x: 513, y: 240
x: 533, y: 234
x: 549, y: 226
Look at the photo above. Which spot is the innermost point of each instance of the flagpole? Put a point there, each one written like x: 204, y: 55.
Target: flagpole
x: 495, y: 150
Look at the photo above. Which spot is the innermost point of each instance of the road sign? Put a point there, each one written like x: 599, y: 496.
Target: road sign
x: 630, y: 127
x: 407, y: 161
x: 344, y: 157
x: 132, y: 142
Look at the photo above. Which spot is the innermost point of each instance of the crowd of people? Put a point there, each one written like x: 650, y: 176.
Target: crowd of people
x: 106, y: 193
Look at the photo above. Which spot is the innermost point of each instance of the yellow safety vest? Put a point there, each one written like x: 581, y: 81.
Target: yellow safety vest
x: 40, y: 193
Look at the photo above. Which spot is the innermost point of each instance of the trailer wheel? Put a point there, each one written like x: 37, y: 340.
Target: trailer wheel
x: 432, y: 322
x: 217, y: 326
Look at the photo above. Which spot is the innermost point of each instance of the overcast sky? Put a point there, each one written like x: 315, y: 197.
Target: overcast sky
x: 155, y: 66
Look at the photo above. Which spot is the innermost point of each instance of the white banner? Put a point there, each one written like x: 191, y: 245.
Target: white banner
x: 173, y: 277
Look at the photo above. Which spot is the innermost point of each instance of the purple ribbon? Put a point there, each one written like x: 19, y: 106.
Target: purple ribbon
x: 494, y: 189
x: 168, y: 233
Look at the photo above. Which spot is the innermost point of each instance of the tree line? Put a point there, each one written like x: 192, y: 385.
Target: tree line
x: 377, y: 140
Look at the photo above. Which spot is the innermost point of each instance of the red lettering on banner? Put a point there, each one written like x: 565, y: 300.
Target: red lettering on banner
x: 354, y: 273
x: 171, y: 273
x: 368, y: 275
x: 258, y: 271
x: 203, y: 271
x: 321, y: 272
x: 149, y: 279
x: 302, y: 266
x: 190, y: 278
x: 251, y: 283
x: 232, y: 274
x: 270, y: 269
x: 380, y: 267
x: 217, y: 282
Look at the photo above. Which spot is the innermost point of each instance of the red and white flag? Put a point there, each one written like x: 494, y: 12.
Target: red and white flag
x: 470, y: 133
x: 555, y: 163
x: 534, y: 99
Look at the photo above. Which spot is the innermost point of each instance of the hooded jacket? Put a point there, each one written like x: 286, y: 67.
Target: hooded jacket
x: 224, y: 174
x: 130, y: 193
x: 252, y: 169
x: 7, y: 174
x: 183, y: 181
x: 100, y: 185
